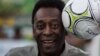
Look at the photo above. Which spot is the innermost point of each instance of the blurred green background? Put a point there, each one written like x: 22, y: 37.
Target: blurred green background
x: 15, y: 19
x: 16, y: 7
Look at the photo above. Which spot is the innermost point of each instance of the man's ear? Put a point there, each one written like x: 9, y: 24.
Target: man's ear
x: 33, y: 31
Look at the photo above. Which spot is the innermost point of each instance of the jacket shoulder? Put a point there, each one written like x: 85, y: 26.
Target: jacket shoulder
x: 21, y: 51
x: 73, y: 51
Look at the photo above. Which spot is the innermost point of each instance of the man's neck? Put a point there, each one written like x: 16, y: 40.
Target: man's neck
x: 58, y: 53
x: 49, y: 54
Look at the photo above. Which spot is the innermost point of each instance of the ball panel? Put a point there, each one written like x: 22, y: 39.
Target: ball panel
x: 79, y: 7
x: 95, y: 9
x: 66, y: 19
x: 86, y: 28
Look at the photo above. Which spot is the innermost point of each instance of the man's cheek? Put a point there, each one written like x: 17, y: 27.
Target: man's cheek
x: 56, y: 30
x: 37, y: 35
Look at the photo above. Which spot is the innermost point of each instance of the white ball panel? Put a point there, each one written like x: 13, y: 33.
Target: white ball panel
x: 79, y: 6
x: 95, y: 9
x: 65, y: 19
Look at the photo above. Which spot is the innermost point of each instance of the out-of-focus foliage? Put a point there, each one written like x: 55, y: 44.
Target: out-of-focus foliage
x: 28, y: 6
x: 12, y: 7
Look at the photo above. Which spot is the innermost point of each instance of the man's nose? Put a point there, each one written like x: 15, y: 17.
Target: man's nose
x: 47, y: 30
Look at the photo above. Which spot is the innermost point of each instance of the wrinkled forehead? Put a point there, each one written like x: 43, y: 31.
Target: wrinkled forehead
x: 42, y: 12
x: 48, y: 14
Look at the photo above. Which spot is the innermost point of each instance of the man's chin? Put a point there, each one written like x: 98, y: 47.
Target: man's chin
x: 49, y: 50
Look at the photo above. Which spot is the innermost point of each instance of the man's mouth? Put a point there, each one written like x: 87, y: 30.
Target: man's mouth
x: 48, y: 43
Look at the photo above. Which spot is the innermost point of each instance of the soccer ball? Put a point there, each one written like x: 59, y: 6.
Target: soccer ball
x: 81, y: 17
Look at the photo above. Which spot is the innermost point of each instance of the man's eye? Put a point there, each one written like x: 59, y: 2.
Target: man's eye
x: 55, y: 26
x: 40, y: 26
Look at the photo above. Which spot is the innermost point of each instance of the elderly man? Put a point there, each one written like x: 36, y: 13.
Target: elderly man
x: 49, y: 32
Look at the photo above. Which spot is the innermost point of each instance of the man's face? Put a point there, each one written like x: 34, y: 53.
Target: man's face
x: 47, y: 30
